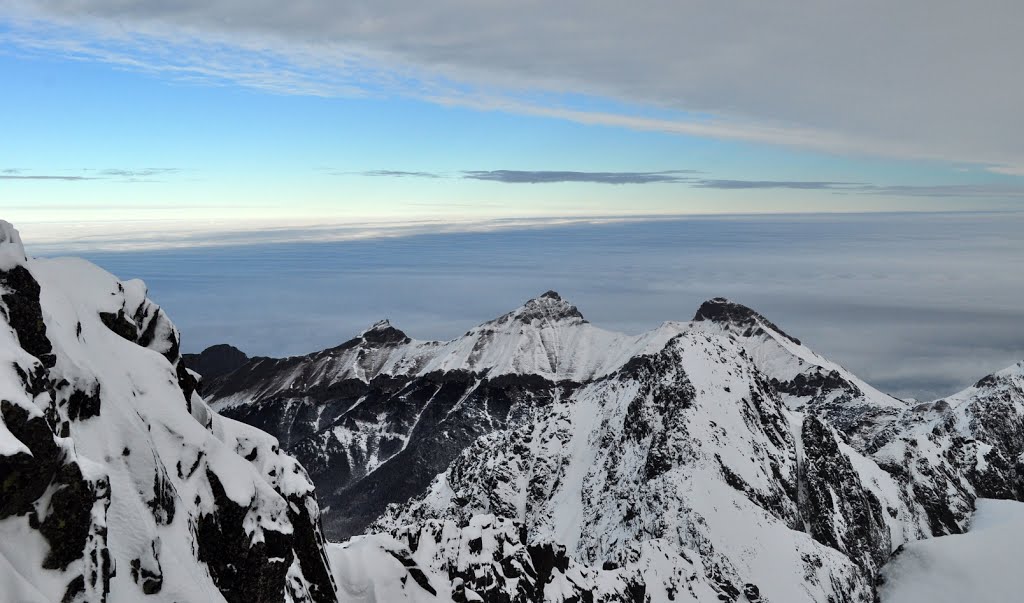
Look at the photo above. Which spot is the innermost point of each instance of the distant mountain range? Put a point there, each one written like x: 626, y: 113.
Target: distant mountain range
x: 720, y: 447
x: 535, y: 458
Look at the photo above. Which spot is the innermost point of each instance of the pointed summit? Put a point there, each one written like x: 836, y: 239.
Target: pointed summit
x: 381, y: 333
x: 549, y: 307
x: 721, y: 311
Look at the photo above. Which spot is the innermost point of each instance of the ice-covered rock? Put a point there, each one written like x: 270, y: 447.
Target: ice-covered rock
x: 117, y: 481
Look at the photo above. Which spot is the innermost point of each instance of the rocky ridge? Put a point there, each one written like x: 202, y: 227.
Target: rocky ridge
x: 119, y: 483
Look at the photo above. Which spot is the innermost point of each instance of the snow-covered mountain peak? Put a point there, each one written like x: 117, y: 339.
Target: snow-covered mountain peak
x: 806, y: 380
x: 737, y: 318
x: 382, y: 333
x: 548, y: 308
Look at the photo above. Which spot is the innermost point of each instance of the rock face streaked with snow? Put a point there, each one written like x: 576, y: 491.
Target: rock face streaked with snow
x: 375, y: 419
x: 117, y: 481
x: 538, y: 457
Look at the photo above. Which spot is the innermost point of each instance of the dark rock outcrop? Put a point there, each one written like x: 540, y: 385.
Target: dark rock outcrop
x: 20, y: 299
x: 215, y: 361
x: 838, y: 510
x: 721, y: 310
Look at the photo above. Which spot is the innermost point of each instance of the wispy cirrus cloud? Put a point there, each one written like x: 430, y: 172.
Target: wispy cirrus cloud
x: 86, y: 174
x: 770, y: 184
x: 539, y: 176
x: 547, y: 176
x: 6, y: 176
x: 137, y: 173
x: 989, y: 190
x: 947, y: 190
x: 397, y: 174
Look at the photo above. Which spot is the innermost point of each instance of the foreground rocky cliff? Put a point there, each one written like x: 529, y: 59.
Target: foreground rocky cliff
x: 538, y: 457
x: 117, y: 481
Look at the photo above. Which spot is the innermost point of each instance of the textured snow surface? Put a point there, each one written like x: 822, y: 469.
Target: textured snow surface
x: 486, y: 560
x: 547, y: 337
x: 688, y: 447
x: 981, y: 566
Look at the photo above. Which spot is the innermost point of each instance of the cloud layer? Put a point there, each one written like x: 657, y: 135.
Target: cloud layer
x: 544, y: 177
x: 117, y: 174
x: 695, y: 179
x: 920, y: 305
x: 920, y: 79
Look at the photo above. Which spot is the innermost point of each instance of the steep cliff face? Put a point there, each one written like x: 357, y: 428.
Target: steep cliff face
x: 117, y: 481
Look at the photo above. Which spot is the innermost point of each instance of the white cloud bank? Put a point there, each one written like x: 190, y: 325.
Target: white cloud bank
x: 982, y: 566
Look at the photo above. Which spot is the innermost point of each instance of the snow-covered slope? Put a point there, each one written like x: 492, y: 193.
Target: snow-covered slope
x: 968, y: 445
x: 117, y: 481
x: 806, y: 380
x: 693, y: 449
x: 711, y: 452
x: 487, y: 559
x: 690, y: 447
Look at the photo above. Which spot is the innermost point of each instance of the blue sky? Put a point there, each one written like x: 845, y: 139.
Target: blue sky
x: 128, y: 122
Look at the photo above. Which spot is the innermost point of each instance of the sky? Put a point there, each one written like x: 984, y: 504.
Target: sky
x: 125, y: 122
x: 195, y: 135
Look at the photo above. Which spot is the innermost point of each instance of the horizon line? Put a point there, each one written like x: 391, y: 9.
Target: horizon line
x: 270, y: 231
